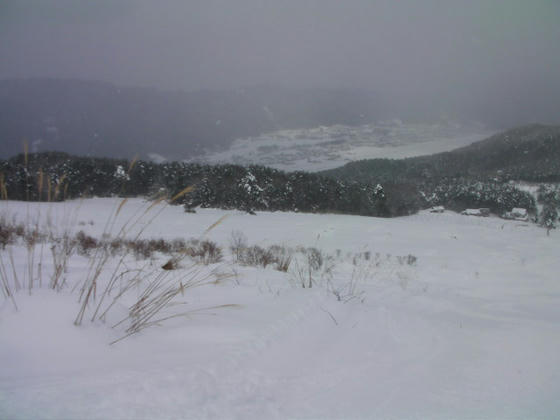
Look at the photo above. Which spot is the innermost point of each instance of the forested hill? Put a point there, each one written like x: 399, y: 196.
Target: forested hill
x: 56, y: 176
x: 104, y: 120
x: 529, y: 153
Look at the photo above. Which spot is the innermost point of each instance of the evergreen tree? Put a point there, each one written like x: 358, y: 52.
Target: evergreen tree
x: 549, y: 217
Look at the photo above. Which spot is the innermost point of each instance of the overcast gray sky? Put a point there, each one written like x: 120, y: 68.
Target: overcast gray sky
x: 455, y: 48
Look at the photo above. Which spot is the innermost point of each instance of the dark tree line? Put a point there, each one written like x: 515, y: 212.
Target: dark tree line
x: 459, y: 194
x: 57, y: 176
x: 474, y: 176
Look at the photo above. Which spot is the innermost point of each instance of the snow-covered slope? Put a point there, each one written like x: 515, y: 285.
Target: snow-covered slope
x: 323, y: 148
x: 469, y: 330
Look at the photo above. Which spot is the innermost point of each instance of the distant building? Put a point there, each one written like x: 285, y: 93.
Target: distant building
x: 483, y: 212
x: 517, y: 213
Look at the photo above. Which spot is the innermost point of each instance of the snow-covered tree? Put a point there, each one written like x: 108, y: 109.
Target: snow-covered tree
x: 549, y: 217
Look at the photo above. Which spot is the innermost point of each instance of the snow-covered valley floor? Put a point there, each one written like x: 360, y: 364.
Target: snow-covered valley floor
x: 328, y: 147
x: 471, y: 329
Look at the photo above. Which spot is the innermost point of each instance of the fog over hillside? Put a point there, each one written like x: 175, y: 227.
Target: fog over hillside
x: 102, y: 119
x: 329, y: 62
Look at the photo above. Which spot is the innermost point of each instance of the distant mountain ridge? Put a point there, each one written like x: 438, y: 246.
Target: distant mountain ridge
x: 104, y: 120
x: 528, y: 153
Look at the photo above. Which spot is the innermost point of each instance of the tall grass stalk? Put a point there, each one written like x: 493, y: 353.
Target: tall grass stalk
x: 18, y: 286
x: 3, y: 189
x: 96, y: 265
x: 6, y: 288
x: 101, y: 257
x: 26, y: 161
x: 159, y: 295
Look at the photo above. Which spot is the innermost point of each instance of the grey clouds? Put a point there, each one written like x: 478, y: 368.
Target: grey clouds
x: 444, y: 54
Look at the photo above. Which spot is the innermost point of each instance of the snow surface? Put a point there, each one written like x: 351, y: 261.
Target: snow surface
x: 470, y: 330
x: 328, y: 147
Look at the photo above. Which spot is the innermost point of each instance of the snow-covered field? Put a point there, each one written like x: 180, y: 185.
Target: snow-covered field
x: 471, y: 329
x: 328, y: 147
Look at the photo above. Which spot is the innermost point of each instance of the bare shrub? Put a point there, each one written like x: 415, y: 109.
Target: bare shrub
x: 407, y: 259
x: 160, y: 245
x: 31, y: 238
x: 283, y: 263
x: 116, y: 246
x: 7, y: 233
x: 257, y: 256
x: 19, y: 230
x: 178, y: 245
x: 314, y: 258
x: 191, y: 248
x: 282, y: 257
x: 145, y: 248
x: 264, y: 256
x: 205, y: 251
x: 312, y: 267
x: 61, y: 251
x: 85, y: 243
x: 140, y: 248
x: 211, y: 253
x: 237, y: 244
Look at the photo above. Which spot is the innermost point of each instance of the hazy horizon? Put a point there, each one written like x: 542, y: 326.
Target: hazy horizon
x: 492, y: 55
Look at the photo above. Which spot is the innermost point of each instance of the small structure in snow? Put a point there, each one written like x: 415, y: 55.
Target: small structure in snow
x: 517, y: 213
x: 483, y: 212
x: 437, y: 209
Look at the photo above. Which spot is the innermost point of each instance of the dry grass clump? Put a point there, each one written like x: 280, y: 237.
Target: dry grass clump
x: 283, y: 262
x: 377, y: 259
x: 158, y: 298
x: 85, y: 243
x: 106, y: 284
x: 9, y: 232
x: 159, y: 294
x: 367, y: 267
x: 204, y: 251
x: 238, y: 242
x: 102, y: 254
x: 311, y: 266
x: 145, y: 248
x: 282, y: 257
x: 257, y: 256
x: 407, y: 259
x: 210, y: 252
x: 315, y: 258
x: 61, y: 251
